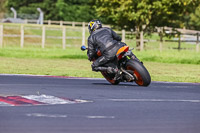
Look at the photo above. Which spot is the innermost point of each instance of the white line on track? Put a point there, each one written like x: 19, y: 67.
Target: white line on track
x: 66, y: 116
x: 153, y: 100
x: 100, y: 117
x: 47, y: 115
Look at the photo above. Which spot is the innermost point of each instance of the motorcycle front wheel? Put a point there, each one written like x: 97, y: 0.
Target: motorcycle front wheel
x: 141, y: 74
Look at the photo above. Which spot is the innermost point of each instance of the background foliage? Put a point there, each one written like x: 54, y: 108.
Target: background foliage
x: 135, y: 13
x: 68, y: 10
x: 194, y: 22
x: 121, y: 13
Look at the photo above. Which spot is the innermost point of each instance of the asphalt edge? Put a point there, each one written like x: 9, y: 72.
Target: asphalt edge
x: 70, y: 77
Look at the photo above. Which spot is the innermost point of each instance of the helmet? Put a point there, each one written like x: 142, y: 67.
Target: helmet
x: 93, y: 25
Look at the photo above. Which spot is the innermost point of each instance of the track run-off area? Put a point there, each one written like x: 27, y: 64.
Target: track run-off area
x: 47, y: 104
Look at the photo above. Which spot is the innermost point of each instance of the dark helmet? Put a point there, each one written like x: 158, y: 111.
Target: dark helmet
x: 93, y: 25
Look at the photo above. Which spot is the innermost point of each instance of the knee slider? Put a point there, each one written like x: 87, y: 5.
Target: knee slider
x: 94, y: 67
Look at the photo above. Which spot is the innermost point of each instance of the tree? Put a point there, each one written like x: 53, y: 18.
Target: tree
x: 2, y: 9
x: 194, y: 19
x: 135, y: 13
x: 75, y: 10
x: 68, y: 10
x: 28, y: 9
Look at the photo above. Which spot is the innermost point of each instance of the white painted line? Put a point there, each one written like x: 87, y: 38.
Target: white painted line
x: 100, y: 117
x: 47, y: 115
x: 82, y: 101
x: 153, y: 100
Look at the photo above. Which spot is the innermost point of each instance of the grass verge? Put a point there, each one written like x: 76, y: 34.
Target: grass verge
x: 168, y: 65
x: 169, y: 56
x: 81, y: 68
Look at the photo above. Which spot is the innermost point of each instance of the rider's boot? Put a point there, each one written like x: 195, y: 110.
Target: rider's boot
x: 109, y: 70
x: 104, y: 69
x: 112, y: 70
x: 115, y: 71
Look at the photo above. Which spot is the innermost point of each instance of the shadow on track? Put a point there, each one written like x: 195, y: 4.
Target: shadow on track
x: 122, y: 84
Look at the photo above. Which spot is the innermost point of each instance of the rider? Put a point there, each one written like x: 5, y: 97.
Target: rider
x: 105, y: 40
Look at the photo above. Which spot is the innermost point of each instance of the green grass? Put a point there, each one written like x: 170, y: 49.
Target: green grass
x: 174, y: 72
x: 59, y: 67
x: 163, y: 66
x: 168, y: 65
x: 170, y: 56
x: 81, y: 68
x: 50, y: 53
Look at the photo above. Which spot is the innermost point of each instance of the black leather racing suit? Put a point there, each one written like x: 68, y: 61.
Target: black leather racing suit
x: 108, y: 42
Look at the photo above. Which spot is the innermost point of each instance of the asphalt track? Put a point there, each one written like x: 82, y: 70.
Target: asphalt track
x: 125, y: 108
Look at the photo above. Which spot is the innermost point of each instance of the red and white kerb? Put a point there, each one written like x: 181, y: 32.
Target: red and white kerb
x: 36, y: 100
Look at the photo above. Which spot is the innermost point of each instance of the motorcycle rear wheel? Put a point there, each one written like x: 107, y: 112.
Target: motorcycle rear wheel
x: 141, y: 74
x: 110, y: 78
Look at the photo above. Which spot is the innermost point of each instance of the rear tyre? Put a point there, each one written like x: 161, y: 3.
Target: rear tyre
x: 141, y: 74
x: 110, y: 78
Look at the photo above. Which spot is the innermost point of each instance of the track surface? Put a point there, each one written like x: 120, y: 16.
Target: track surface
x: 125, y: 108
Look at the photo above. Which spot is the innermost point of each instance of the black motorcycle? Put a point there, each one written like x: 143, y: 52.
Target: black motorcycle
x: 130, y: 68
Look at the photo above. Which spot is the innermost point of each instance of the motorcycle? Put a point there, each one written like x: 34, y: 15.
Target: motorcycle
x: 130, y: 68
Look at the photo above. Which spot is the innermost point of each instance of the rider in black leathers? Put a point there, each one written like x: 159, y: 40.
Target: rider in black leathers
x: 105, y: 40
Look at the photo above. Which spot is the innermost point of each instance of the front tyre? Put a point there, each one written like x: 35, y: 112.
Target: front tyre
x: 139, y: 71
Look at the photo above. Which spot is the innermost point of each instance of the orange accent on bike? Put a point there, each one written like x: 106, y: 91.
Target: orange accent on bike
x: 139, y: 79
x: 121, y: 51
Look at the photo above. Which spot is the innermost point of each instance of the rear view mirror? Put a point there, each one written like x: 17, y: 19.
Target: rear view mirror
x: 83, y: 48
